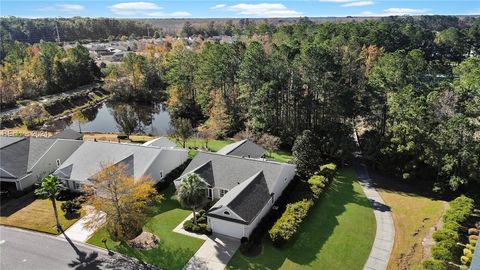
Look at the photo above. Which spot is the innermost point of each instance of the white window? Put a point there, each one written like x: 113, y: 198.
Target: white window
x: 223, y: 192
x: 161, y: 174
x: 226, y: 213
x: 58, y: 162
x: 76, y: 185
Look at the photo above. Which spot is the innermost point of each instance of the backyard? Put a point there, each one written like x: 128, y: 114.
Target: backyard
x: 33, y: 214
x: 337, y: 234
x: 174, y: 249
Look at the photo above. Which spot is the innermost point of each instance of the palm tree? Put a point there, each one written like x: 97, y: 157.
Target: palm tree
x: 191, y: 192
x: 49, y: 188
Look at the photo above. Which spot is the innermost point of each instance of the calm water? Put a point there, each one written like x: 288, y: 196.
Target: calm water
x: 114, y: 116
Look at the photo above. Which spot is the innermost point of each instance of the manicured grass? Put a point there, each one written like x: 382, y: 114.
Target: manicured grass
x: 35, y: 215
x: 337, y: 234
x: 280, y: 156
x: 174, y: 249
x: 413, y: 216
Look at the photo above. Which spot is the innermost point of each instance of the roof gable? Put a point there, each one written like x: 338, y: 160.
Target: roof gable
x: 244, y: 148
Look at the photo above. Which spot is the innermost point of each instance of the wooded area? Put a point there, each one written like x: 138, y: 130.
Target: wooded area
x: 409, y: 85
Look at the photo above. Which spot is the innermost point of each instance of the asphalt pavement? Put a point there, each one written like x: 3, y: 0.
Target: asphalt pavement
x: 25, y: 250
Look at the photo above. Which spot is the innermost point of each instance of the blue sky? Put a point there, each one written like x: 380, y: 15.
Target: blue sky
x: 229, y: 8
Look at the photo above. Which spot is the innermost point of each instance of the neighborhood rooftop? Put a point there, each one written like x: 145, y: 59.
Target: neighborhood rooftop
x: 161, y: 142
x: 86, y: 161
x: 68, y: 134
x: 19, y: 154
x: 224, y: 171
x: 243, y: 148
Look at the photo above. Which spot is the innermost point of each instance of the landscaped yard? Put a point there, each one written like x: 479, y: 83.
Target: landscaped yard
x: 413, y: 216
x: 174, y: 249
x: 337, y: 234
x: 34, y: 214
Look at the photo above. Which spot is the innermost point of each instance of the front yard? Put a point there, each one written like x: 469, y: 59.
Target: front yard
x: 337, y: 234
x: 174, y: 249
x: 33, y: 214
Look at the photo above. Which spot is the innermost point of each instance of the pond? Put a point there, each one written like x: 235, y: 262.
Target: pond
x: 115, y: 116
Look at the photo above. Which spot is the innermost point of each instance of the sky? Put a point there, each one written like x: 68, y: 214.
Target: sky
x: 233, y: 8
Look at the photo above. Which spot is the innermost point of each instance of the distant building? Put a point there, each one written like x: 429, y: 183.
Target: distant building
x: 243, y: 148
x: 68, y: 134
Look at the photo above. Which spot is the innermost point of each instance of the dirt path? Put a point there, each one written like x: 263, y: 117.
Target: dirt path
x: 428, y: 241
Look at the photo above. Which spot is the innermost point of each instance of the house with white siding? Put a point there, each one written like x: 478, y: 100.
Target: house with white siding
x: 246, y: 189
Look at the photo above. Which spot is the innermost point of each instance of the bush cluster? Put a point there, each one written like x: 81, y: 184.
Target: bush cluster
x: 446, y: 238
x: 200, y: 227
x: 71, y: 207
x: 286, y: 226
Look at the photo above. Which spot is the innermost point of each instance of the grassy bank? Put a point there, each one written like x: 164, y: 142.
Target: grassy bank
x: 337, y: 234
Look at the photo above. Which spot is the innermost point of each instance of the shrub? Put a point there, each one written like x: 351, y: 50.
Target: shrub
x: 70, y: 207
x: 286, y: 226
x: 473, y: 242
x: 473, y: 237
x: 459, y: 210
x: 441, y: 253
x: 448, y: 244
x: 451, y: 226
x: 464, y: 259
x: 187, y: 225
x: 328, y: 170
x: 317, y: 184
x: 122, y: 137
x: 444, y: 234
x: 470, y: 246
x: 434, y: 265
x: 468, y: 253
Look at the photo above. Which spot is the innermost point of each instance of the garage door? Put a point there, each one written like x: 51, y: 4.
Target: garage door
x: 226, y: 227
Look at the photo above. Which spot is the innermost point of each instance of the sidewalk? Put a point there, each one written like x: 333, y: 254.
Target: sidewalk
x: 78, y: 232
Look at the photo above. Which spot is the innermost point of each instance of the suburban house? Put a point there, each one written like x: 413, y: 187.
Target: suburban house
x: 243, y: 148
x: 161, y: 142
x: 139, y: 160
x: 246, y: 189
x: 26, y: 160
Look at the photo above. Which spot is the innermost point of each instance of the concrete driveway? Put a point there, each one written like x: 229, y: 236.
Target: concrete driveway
x: 214, y: 254
x: 79, y: 232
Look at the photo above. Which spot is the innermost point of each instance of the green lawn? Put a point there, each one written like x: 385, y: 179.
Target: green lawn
x: 174, y: 250
x: 337, y: 234
x: 33, y: 214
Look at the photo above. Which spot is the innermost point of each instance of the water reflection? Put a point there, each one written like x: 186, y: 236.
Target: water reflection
x: 114, y: 116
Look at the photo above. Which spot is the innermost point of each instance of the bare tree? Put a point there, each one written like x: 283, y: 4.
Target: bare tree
x: 269, y: 142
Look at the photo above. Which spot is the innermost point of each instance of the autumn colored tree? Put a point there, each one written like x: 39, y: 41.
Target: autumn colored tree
x: 32, y: 114
x: 219, y: 121
x: 269, y: 142
x: 123, y: 198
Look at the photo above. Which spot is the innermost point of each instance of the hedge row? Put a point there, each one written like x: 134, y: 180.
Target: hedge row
x: 287, y: 225
x: 447, y: 237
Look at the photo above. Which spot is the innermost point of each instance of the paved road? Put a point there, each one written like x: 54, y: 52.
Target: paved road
x: 21, y: 249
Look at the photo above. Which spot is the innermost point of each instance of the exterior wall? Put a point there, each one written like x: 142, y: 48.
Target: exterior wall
x: 47, y: 164
x: 224, y: 227
x: 167, y: 160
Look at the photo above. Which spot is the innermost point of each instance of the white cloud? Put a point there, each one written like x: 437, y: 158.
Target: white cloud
x: 358, y: 4
x: 406, y: 11
x: 64, y: 8
x: 398, y: 12
x: 176, y: 14
x: 219, y: 6
x: 133, y: 8
x: 336, y: 1
x: 270, y: 10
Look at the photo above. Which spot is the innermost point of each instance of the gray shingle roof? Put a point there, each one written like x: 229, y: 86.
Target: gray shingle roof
x: 161, y: 142
x: 68, y: 134
x: 86, y: 161
x: 229, y: 171
x: 19, y: 154
x: 244, y: 148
